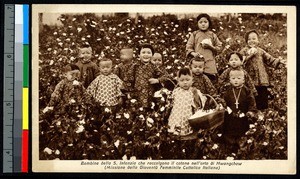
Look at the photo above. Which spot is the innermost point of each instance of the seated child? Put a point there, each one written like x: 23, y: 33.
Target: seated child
x: 105, y: 90
x: 240, y: 105
x: 67, y: 91
x: 165, y: 80
x: 200, y: 80
x: 185, y: 99
x: 88, y: 69
x: 235, y: 61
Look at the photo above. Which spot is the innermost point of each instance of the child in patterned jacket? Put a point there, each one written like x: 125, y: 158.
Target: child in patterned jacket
x: 105, y: 90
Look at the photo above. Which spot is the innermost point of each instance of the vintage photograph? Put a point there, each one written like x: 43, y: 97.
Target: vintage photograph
x: 117, y: 84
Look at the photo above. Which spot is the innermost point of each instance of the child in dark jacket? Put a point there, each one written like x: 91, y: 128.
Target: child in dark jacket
x: 240, y: 106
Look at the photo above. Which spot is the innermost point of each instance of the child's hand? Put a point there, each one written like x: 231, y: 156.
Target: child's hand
x: 282, y: 61
x: 205, y: 45
x: 48, y: 108
x: 252, y: 51
x: 153, y: 80
x: 195, y: 54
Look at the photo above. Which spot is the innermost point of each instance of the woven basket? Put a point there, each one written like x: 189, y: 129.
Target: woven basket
x: 209, y: 120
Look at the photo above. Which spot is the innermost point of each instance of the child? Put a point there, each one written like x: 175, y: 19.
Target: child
x: 89, y: 70
x: 201, y: 81
x: 105, y: 90
x: 165, y: 80
x: 67, y: 91
x: 185, y: 98
x: 206, y: 43
x: 121, y: 70
x: 144, y: 75
x: 254, y: 63
x: 235, y: 61
x: 240, y: 105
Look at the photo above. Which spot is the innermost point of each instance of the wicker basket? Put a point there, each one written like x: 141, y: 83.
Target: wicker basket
x: 207, y: 120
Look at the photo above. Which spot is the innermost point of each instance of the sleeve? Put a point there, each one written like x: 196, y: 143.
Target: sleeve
x: 249, y: 84
x: 57, y: 93
x: 119, y: 85
x: 163, y: 75
x: 91, y: 89
x: 223, y: 78
x: 190, y: 46
x: 270, y: 60
x: 251, y: 102
x: 209, y: 86
x: 217, y: 43
x: 243, y: 52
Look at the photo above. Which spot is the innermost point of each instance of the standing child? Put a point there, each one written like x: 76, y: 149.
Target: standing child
x: 144, y: 75
x: 235, y: 61
x: 89, y: 70
x: 67, y: 91
x: 201, y: 81
x: 105, y: 90
x: 254, y: 62
x: 240, y: 105
x: 121, y: 70
x: 206, y: 43
x: 165, y: 80
x: 185, y: 98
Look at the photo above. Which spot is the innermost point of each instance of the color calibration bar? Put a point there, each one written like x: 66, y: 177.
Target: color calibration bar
x: 21, y: 89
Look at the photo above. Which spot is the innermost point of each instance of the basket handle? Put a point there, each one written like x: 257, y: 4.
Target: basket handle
x: 217, y: 105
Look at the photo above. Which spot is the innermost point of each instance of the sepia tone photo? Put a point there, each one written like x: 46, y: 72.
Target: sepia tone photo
x: 119, y: 88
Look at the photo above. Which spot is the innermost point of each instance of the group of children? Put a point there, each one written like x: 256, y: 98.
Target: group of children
x: 243, y: 86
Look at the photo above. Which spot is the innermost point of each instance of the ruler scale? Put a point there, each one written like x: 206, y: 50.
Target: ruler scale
x: 15, y: 93
x: 8, y: 93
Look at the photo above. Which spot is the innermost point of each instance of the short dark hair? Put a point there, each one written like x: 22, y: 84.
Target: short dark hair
x: 206, y: 16
x: 146, y: 46
x: 184, y: 71
x: 84, y: 45
x: 197, y: 59
x: 104, y: 59
x: 237, y: 53
x: 70, y: 67
x: 248, y: 33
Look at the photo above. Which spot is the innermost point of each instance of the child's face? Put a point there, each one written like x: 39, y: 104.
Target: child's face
x: 72, y: 75
x: 145, y: 55
x: 85, y: 54
x: 185, y: 81
x: 236, y: 78
x: 105, y: 67
x: 197, y: 67
x: 252, y: 39
x: 157, y: 59
x: 203, y: 24
x: 126, y: 55
x: 235, y: 61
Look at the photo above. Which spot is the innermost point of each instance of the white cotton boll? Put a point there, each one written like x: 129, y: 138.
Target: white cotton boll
x: 79, y: 129
x: 229, y: 110
x: 48, y: 150
x: 79, y: 29
x: 132, y: 158
x: 126, y: 115
x: 249, y: 141
x: 150, y: 120
x: 72, y: 101
x: 215, y: 146
x: 54, y: 33
x: 70, y: 145
x: 242, y: 115
x: 58, y: 123
x: 57, y: 152
x: 117, y: 143
x: 75, y: 82
x: 51, y: 62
